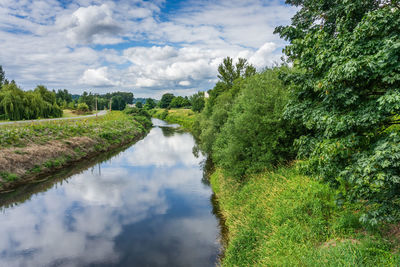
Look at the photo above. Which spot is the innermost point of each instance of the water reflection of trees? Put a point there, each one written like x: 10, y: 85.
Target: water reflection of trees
x: 168, y: 131
x: 208, y: 169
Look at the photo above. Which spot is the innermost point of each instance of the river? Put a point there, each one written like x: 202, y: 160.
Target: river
x: 147, y: 205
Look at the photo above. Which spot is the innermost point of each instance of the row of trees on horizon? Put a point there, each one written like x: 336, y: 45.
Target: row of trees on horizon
x: 17, y: 104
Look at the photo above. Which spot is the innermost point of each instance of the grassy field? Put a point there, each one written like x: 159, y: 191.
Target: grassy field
x: 183, y: 117
x: 282, y: 218
x: 29, y: 150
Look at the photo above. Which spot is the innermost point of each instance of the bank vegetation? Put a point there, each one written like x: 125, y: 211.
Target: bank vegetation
x: 28, y: 151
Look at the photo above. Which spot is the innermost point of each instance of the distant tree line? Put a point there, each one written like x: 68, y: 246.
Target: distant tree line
x: 17, y: 104
x: 195, y: 102
x: 87, y: 100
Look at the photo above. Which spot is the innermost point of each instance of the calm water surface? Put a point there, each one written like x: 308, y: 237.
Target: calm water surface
x: 146, y: 206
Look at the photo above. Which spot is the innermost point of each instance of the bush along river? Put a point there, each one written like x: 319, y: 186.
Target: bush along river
x: 148, y: 205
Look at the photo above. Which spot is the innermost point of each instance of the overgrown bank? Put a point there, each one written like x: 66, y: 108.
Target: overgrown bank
x: 183, y: 117
x: 27, y: 152
x: 283, y: 218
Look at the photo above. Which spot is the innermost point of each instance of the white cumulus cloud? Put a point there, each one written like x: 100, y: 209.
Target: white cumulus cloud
x: 91, y: 24
x: 96, y: 77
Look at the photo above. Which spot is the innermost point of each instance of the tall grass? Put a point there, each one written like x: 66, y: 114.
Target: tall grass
x: 282, y: 218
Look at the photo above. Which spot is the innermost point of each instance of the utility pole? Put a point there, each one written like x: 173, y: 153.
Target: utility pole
x: 110, y: 103
x: 96, y: 106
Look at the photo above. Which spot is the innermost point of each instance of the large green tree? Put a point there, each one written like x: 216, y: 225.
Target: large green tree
x: 198, y: 101
x: 150, y: 103
x: 179, y: 102
x: 346, y: 92
x: 166, y: 99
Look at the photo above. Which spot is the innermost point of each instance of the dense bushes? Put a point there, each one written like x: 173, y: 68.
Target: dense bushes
x: 242, y: 126
x: 141, y: 115
x: 255, y: 135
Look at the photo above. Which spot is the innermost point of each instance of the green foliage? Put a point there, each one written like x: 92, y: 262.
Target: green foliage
x: 140, y: 115
x: 144, y: 120
x: 166, y: 100
x: 2, y: 76
x: 118, y: 100
x: 183, y: 117
x: 197, y: 101
x: 63, y: 97
x: 8, y: 177
x: 255, y: 136
x: 16, y: 104
x: 215, y: 113
x: 118, y: 103
x: 139, y: 104
x: 179, y: 102
x: 117, y: 123
x: 164, y: 115
x: 72, y: 105
x: 228, y: 72
x: 150, y: 104
x: 346, y: 92
x: 222, y: 96
x: 82, y: 107
x: 242, y: 126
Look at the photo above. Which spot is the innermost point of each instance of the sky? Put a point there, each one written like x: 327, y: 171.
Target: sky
x: 145, y: 47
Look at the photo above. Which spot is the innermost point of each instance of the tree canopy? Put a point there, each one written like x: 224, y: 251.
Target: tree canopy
x: 228, y: 72
x: 346, y: 92
x: 166, y: 99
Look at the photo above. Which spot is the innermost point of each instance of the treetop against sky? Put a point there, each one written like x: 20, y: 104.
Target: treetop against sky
x: 148, y: 47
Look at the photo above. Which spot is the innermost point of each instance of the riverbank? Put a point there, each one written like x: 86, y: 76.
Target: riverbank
x: 283, y: 218
x: 30, y: 151
x: 183, y: 117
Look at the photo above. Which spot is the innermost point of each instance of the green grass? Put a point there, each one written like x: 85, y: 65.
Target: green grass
x: 183, y: 117
x: 114, y: 125
x: 282, y: 218
x: 8, y: 176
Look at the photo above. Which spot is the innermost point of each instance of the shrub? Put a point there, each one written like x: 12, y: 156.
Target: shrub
x: 83, y: 107
x: 255, y: 135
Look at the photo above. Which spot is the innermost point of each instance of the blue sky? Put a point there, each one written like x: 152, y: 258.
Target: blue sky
x: 147, y: 47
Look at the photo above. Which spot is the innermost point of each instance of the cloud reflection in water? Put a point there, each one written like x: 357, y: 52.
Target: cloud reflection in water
x: 148, y: 207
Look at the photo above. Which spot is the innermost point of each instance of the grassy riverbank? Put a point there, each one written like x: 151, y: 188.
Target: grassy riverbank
x: 183, y: 117
x: 282, y: 218
x: 28, y: 151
